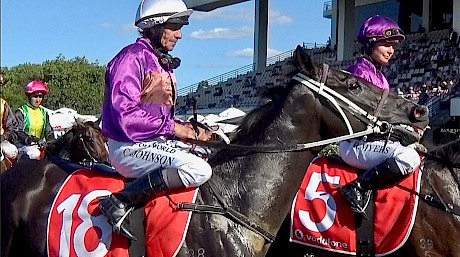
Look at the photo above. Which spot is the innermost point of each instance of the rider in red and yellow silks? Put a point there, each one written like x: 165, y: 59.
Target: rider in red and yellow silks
x: 386, y: 163
x: 8, y: 127
x: 33, y: 120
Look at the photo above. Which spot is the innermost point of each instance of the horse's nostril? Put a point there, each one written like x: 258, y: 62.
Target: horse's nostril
x: 420, y: 112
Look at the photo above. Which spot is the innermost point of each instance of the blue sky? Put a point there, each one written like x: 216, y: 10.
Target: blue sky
x: 33, y: 31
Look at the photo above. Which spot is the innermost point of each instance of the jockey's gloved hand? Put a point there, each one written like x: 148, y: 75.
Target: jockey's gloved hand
x: 404, y: 136
x: 419, y: 147
x: 32, y: 139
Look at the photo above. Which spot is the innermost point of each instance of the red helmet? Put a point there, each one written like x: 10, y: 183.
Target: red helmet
x: 37, y: 87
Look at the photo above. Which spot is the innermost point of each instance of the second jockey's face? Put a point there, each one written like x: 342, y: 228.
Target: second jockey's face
x: 36, y: 99
x: 382, y: 52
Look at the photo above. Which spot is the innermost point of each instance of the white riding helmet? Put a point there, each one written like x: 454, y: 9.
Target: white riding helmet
x: 155, y: 12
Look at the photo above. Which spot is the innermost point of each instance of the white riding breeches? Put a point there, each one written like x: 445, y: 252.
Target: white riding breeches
x: 31, y: 150
x: 366, y: 155
x: 132, y: 160
x: 10, y: 150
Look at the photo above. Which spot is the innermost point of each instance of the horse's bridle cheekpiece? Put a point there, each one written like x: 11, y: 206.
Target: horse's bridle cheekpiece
x: 374, y: 125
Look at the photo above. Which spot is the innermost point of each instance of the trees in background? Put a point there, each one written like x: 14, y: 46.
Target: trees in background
x: 75, y: 83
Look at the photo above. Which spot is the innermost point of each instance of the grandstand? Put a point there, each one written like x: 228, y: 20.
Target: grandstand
x: 426, y: 63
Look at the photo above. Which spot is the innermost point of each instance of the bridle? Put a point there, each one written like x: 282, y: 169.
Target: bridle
x: 374, y: 125
x: 92, y: 160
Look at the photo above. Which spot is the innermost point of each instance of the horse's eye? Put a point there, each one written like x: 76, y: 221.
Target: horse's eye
x: 355, y: 87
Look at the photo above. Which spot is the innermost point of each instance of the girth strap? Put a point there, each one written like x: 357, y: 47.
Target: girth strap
x: 228, y: 212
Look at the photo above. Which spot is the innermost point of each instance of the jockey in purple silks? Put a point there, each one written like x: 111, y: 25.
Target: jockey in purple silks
x: 144, y: 136
x: 386, y: 163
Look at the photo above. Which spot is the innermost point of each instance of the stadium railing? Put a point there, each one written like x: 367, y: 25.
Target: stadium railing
x: 243, y: 70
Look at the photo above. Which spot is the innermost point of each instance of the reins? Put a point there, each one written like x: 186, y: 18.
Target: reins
x: 227, y: 211
x: 374, y: 125
x: 436, y: 200
x: 92, y: 159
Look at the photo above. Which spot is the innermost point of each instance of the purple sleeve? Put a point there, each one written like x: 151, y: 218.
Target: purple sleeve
x: 358, y: 71
x: 361, y: 69
x: 130, y: 117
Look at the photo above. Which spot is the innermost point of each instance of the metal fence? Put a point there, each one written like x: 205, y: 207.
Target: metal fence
x: 243, y: 70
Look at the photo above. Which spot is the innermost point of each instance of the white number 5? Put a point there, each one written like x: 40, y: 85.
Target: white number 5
x: 312, y: 193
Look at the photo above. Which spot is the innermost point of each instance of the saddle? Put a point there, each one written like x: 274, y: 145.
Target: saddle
x: 322, y: 218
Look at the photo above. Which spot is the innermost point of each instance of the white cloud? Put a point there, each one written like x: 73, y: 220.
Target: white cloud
x: 214, y: 66
x: 128, y: 28
x: 249, y: 52
x: 245, y: 53
x: 241, y: 14
x: 275, y: 17
x: 272, y: 52
x: 245, y: 14
x: 222, y: 33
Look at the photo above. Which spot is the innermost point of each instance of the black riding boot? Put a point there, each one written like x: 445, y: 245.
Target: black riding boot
x: 358, y: 192
x: 117, y: 206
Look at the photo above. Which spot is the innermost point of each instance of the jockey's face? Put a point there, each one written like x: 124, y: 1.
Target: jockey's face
x: 36, y: 99
x: 382, y: 52
x: 171, y: 34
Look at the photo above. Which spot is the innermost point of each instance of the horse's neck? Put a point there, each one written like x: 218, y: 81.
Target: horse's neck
x: 259, y: 185
x: 59, y: 147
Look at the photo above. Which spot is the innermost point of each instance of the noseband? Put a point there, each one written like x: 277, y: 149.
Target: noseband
x: 374, y: 125
x: 92, y: 159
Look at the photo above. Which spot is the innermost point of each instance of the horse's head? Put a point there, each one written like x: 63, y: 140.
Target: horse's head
x: 88, y: 143
x: 406, y: 117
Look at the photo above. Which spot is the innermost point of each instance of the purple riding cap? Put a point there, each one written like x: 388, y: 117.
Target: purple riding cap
x: 378, y: 28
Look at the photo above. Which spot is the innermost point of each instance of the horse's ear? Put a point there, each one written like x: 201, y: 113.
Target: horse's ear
x: 97, y: 123
x: 304, y: 62
x: 78, y: 121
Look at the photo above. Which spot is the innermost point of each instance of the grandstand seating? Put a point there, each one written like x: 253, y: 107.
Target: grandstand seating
x: 230, y: 89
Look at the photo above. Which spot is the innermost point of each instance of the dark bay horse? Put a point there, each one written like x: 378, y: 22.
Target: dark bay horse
x: 262, y: 185
x: 436, y: 232
x: 28, y: 188
x: 257, y: 176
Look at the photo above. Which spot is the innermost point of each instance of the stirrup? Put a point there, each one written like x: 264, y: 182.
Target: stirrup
x: 117, y: 227
x: 361, y: 208
x: 109, y: 214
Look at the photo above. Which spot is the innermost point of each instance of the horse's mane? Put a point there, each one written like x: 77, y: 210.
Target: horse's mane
x: 60, y: 146
x: 449, y: 151
x: 255, y: 122
x: 252, y: 127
